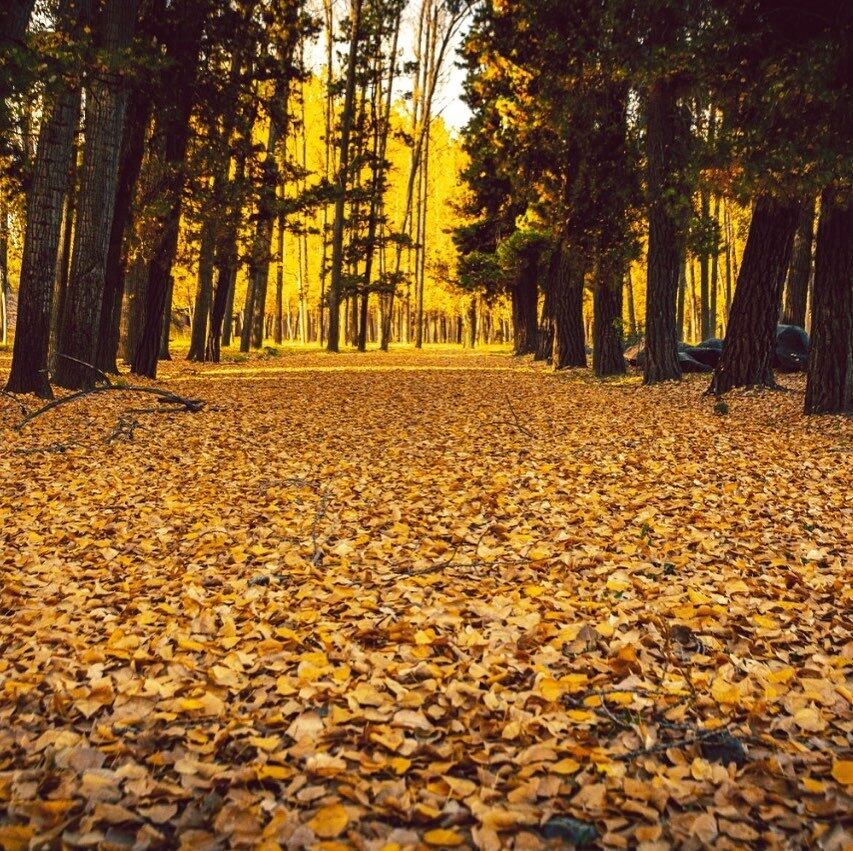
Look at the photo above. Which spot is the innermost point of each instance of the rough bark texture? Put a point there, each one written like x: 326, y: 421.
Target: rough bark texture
x: 751, y: 332
x: 800, y: 270
x: 525, y: 299
x: 569, y: 344
x: 173, y: 119
x: 667, y: 135
x: 106, y: 100
x: 607, y: 357
x: 44, y: 225
x: 545, y: 337
x: 829, y: 386
x: 133, y: 148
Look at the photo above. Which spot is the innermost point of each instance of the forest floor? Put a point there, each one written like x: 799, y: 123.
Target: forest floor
x: 425, y: 600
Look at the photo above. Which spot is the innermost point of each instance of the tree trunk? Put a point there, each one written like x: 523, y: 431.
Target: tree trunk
x: 44, y: 222
x: 545, y: 336
x: 715, y: 268
x: 333, y: 344
x: 632, y: 314
x: 164, y: 353
x: 750, y: 336
x: 829, y: 385
x: 173, y: 117
x: 204, y: 293
x: 569, y: 344
x: 106, y: 100
x: 667, y: 138
x: 799, y: 273
x: 607, y: 357
x: 525, y: 307
x: 133, y: 148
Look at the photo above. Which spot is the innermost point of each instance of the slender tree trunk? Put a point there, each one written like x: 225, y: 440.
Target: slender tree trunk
x: 106, y: 101
x: 132, y: 150
x: 829, y: 385
x: 44, y: 222
x: 164, y: 353
x: 632, y: 315
x: 750, y: 336
x: 204, y: 291
x: 4, y: 269
x: 174, y: 123
x: 667, y: 137
x: 63, y: 261
x: 799, y: 273
x: 278, y: 335
x: 729, y: 256
x: 545, y: 336
x: 715, y: 268
x: 569, y: 343
x: 342, y: 181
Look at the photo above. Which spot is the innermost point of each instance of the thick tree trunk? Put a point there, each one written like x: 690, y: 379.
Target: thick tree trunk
x: 525, y: 307
x: 184, y: 44
x: 829, y: 385
x: 44, y: 223
x: 800, y: 270
x: 667, y: 141
x: 133, y: 148
x: 607, y: 357
x: 106, y: 100
x: 751, y: 333
x: 569, y: 343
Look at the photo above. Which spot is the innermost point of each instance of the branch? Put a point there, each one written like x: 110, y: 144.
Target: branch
x: 166, y: 396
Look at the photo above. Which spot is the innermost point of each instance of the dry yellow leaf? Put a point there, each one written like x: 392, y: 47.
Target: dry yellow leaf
x: 330, y: 821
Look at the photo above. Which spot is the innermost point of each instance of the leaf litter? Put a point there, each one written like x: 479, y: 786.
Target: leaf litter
x: 417, y: 601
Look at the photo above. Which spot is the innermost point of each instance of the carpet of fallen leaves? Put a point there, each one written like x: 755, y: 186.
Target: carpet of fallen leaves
x: 425, y: 600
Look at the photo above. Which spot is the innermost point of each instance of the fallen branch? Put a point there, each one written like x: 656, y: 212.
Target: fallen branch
x: 166, y: 397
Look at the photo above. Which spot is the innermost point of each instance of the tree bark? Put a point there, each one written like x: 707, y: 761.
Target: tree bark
x: 173, y: 120
x: 133, y: 148
x: 204, y: 292
x: 607, y: 357
x: 667, y: 146
x: 545, y: 335
x: 829, y: 383
x: 569, y: 343
x: 342, y: 180
x: 44, y: 223
x: 525, y: 306
x: 751, y: 332
x: 106, y: 101
x: 799, y: 273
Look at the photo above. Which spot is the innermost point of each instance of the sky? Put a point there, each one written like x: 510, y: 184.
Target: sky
x: 448, y: 101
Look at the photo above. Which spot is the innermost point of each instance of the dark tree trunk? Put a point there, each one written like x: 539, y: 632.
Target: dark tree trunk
x: 204, y: 294
x: 63, y: 261
x: 607, y: 357
x: 545, y: 336
x: 525, y: 308
x: 164, y: 353
x: 800, y: 270
x: 750, y: 336
x: 829, y: 385
x: 667, y: 151
x: 44, y: 224
x: 632, y: 314
x: 569, y: 343
x: 342, y: 181
x: 173, y: 118
x: 133, y: 148
x: 106, y: 100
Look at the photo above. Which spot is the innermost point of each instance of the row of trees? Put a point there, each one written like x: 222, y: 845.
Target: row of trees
x: 153, y: 120
x: 608, y: 130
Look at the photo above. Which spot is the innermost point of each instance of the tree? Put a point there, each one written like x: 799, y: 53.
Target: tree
x: 29, y: 373
x: 342, y: 181
x: 800, y: 270
x: 829, y: 384
x: 106, y: 99
x: 668, y: 190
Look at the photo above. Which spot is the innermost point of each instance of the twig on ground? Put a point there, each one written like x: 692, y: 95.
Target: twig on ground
x: 518, y: 423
